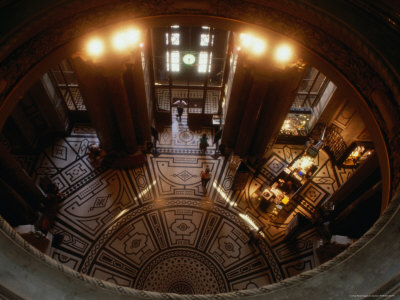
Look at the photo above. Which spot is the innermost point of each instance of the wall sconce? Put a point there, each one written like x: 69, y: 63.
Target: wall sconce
x: 121, y: 41
x: 282, y: 54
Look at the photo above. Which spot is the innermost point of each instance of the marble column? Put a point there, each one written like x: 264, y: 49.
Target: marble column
x: 279, y: 97
x: 136, y: 92
x: 241, y: 86
x: 94, y: 89
x: 251, y: 113
x: 121, y: 107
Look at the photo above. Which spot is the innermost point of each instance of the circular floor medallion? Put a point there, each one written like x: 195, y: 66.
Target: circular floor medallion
x: 181, y: 272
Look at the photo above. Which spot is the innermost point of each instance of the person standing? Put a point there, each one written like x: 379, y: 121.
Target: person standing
x: 205, y: 177
x: 255, y: 236
x: 203, y: 143
x: 180, y: 104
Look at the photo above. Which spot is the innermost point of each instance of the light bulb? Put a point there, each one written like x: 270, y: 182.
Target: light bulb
x: 283, y: 53
x: 95, y: 47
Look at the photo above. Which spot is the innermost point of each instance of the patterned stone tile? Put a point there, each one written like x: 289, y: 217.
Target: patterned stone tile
x: 275, y: 165
x: 180, y: 139
x: 343, y: 174
x: 312, y: 193
x: 66, y: 258
x: 230, y: 246
x: 107, y: 274
x: 288, y: 152
x: 95, y: 205
x: 83, y: 130
x: 181, y: 176
x: 154, y: 228
x: 252, y: 283
x: 299, y: 266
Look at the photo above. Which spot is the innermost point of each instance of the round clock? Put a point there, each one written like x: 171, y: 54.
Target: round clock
x: 189, y: 59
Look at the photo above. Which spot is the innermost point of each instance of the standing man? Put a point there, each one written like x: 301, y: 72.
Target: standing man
x: 203, y: 143
x: 180, y: 104
x: 205, y: 178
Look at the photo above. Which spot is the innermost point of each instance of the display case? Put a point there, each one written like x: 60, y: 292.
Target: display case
x: 296, y: 123
x: 356, y: 153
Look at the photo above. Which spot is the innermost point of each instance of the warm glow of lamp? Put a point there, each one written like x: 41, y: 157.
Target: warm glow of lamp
x: 119, y: 41
x: 126, y: 39
x: 95, y: 47
x: 132, y: 36
x: 246, y: 40
x: 254, y: 44
x: 259, y: 46
x: 306, y: 162
x: 283, y: 53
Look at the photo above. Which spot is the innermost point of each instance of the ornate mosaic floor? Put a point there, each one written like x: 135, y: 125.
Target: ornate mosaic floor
x: 211, y: 100
x: 154, y: 228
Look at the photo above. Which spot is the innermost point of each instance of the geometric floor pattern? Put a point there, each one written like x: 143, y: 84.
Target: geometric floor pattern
x: 210, y: 105
x: 154, y: 228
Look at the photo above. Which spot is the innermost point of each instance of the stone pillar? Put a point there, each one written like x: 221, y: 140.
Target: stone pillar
x: 94, y: 89
x: 14, y: 176
x: 121, y: 108
x: 241, y: 85
x: 250, y: 114
x: 280, y: 95
x: 135, y: 88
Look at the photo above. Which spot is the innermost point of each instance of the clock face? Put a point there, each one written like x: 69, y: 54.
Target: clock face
x: 189, y: 59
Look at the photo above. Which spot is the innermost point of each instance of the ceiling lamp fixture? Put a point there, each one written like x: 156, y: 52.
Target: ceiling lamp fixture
x: 283, y: 53
x: 132, y: 37
x: 246, y: 40
x: 95, y: 47
x: 255, y: 45
x: 119, y: 42
x: 125, y: 40
x: 259, y: 46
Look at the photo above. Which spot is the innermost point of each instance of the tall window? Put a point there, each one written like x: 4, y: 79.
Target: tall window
x: 204, y: 64
x: 205, y: 39
x: 175, y: 36
x: 311, y: 89
x: 205, y: 57
x: 173, y: 61
x: 67, y: 85
x: 188, y: 63
x: 312, y: 97
x: 172, y: 40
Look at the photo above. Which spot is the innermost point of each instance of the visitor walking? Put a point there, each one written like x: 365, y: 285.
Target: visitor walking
x: 180, y: 104
x: 205, y: 178
x: 255, y: 236
x: 203, y: 143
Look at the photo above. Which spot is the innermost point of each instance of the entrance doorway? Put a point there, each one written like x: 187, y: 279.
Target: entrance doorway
x: 189, y: 63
